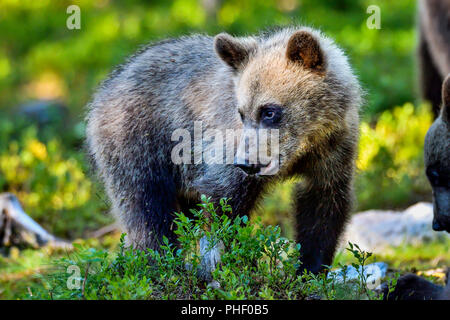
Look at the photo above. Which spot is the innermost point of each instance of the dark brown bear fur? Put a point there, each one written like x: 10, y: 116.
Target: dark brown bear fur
x: 434, y: 48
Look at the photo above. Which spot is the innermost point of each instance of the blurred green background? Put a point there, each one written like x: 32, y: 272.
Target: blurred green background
x: 41, y: 58
x: 41, y: 153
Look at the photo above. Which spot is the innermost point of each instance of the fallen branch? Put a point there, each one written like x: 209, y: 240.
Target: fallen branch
x: 104, y: 231
x: 18, y: 228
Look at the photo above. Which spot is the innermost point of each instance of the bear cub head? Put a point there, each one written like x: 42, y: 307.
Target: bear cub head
x: 296, y: 81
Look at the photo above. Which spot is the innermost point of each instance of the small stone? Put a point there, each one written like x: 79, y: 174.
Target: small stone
x: 214, y: 284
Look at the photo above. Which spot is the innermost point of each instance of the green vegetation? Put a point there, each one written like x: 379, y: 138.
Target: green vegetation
x: 41, y: 58
x: 257, y: 263
x: 260, y: 266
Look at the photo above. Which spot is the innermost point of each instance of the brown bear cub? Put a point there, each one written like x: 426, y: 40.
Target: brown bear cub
x: 294, y: 80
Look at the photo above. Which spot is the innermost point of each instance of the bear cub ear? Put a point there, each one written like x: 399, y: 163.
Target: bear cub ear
x: 235, y: 52
x: 445, y: 113
x: 303, y: 48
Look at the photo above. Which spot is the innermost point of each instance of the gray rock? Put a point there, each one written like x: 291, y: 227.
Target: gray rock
x: 210, y: 258
x: 374, y: 230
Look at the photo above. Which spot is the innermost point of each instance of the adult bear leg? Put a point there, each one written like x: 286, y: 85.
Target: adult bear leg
x: 430, y: 78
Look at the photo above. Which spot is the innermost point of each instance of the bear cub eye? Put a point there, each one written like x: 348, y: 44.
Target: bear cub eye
x: 270, y: 115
